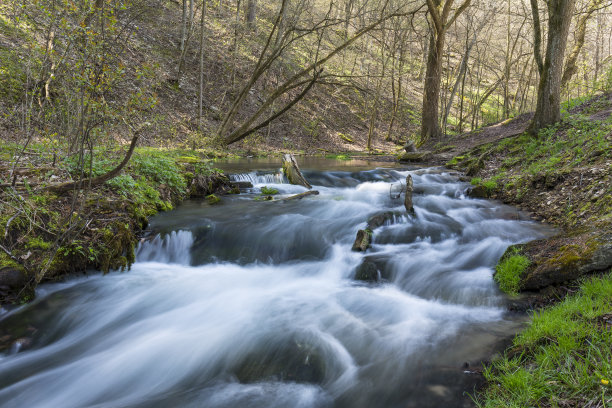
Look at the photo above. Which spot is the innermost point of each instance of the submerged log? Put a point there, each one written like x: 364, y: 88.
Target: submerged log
x: 408, y: 196
x: 301, y: 195
x: 292, y: 171
x: 362, y: 240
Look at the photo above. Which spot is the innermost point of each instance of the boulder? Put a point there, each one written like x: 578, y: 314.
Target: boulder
x: 367, y: 272
x: 410, y: 147
x: 379, y: 220
x: 13, y: 278
x: 478, y: 192
x: 565, y: 258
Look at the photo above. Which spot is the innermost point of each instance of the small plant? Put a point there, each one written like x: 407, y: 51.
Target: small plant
x: 509, y: 270
x: 476, y: 181
x: 267, y: 191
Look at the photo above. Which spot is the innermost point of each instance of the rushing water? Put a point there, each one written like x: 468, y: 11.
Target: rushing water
x: 253, y: 304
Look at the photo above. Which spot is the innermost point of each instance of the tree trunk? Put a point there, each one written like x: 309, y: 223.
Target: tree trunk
x: 251, y: 12
x: 579, y: 34
x: 431, y: 95
x: 201, y: 76
x: 548, y: 107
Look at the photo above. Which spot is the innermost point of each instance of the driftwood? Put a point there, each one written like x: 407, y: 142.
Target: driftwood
x: 301, y: 195
x: 292, y: 171
x: 408, y: 196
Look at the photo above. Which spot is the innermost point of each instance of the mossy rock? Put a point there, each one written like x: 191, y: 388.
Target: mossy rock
x: 566, y: 258
x: 212, y: 199
x: 367, y: 272
x: 414, y: 156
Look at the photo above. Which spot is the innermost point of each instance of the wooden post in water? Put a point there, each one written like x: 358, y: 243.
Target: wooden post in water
x: 408, y: 196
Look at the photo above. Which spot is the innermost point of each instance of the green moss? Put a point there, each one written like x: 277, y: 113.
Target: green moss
x: 509, y: 270
x: 265, y: 190
x: 37, y: 243
x: 455, y: 160
x: 212, y: 199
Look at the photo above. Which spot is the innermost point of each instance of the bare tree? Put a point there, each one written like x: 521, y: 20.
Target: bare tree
x: 548, y: 108
x: 441, y: 18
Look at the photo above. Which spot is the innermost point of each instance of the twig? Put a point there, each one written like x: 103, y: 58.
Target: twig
x: 6, y: 228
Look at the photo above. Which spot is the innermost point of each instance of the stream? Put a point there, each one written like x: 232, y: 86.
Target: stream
x: 254, y: 303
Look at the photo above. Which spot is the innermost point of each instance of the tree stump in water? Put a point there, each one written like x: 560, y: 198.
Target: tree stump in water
x: 362, y: 240
x: 408, y: 196
x: 292, y: 171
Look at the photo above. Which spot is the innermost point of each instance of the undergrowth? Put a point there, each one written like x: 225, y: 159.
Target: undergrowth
x: 509, y: 270
x: 564, y: 357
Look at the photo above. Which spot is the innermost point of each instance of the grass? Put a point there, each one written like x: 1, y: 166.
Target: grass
x: 564, y: 357
x: 509, y: 270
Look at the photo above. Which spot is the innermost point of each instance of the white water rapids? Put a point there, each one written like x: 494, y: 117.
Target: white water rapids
x: 253, y: 304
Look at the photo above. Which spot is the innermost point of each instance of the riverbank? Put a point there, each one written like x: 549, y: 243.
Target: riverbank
x: 47, y: 235
x: 564, y: 177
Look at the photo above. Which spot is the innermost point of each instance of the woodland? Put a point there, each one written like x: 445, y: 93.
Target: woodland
x: 114, y: 110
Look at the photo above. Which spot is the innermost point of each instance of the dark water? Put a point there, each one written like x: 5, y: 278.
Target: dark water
x: 253, y: 304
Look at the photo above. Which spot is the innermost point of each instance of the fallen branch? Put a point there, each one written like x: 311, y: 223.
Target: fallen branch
x: 95, y: 181
x: 301, y: 195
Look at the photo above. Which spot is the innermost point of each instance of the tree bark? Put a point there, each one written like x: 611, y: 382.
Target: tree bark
x: 201, y: 74
x: 251, y: 12
x: 580, y: 34
x: 430, y: 127
x: 548, y: 107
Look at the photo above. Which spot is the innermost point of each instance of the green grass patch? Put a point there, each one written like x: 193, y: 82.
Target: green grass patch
x: 509, y: 270
x: 564, y: 357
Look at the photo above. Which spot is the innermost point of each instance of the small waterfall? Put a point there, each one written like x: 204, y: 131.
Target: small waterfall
x: 260, y: 178
x: 171, y: 248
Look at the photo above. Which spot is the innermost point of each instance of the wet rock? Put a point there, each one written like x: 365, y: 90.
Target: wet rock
x: 205, y: 185
x: 363, y: 240
x: 478, y: 192
x: 367, y: 272
x: 13, y: 278
x: 242, y: 184
x: 414, y: 156
x: 293, y: 360
x: 565, y: 258
x: 410, y: 147
x: 379, y: 220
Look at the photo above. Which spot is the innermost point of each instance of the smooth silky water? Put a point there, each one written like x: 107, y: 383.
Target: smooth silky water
x: 253, y: 303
